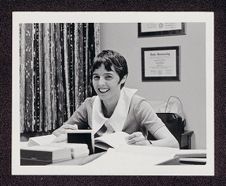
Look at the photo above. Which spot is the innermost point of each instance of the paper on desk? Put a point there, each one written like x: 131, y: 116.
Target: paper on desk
x: 132, y: 158
x: 148, y: 150
x: 23, y: 144
x: 41, y: 140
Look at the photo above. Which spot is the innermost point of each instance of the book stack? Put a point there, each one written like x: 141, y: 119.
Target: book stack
x: 193, y: 157
x: 189, y: 157
x: 77, y: 149
x: 43, y: 155
x: 45, y: 150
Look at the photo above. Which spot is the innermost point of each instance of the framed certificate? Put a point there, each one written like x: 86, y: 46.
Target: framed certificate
x: 160, y: 63
x: 160, y: 29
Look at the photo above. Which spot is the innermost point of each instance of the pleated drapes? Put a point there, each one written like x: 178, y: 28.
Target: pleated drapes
x: 55, y: 71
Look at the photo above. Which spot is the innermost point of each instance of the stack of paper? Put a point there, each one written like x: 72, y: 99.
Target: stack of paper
x: 77, y: 149
x: 194, y: 156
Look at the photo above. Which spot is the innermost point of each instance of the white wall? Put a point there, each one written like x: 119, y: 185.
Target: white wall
x: 191, y: 87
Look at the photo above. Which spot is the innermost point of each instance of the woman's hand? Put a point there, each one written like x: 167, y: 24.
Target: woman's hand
x: 64, y: 129
x: 60, y: 133
x: 137, y: 138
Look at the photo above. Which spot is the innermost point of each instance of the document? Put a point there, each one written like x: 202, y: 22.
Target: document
x: 131, y: 158
x: 134, y: 158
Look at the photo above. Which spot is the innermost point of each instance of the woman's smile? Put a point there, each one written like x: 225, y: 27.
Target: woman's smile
x: 103, y: 90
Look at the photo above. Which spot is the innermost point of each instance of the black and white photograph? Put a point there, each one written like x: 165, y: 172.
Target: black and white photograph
x: 94, y: 93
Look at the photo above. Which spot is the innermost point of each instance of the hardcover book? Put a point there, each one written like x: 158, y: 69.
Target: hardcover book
x: 44, y: 150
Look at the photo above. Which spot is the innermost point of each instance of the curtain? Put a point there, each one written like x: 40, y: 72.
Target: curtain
x: 55, y: 72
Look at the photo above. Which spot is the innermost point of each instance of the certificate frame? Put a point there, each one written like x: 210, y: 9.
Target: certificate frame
x: 160, y: 29
x: 160, y: 63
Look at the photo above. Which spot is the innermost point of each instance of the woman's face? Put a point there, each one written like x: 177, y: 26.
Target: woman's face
x: 107, y: 83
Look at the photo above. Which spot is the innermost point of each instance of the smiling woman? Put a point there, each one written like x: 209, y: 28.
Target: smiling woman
x: 117, y: 108
x: 107, y: 86
x: 109, y: 75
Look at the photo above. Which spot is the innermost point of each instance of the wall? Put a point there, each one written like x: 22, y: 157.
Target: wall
x: 123, y: 38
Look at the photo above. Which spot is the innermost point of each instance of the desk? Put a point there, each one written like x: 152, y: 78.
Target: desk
x: 186, y: 139
x: 90, y: 158
x: 118, y: 158
x: 142, y: 159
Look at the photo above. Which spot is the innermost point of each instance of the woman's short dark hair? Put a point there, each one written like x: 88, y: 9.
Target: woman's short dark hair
x: 111, y: 58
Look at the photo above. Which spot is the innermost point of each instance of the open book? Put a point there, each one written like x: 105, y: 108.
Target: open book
x: 114, y: 140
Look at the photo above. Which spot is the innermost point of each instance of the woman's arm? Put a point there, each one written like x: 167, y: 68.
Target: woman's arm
x: 148, y: 119
x: 78, y: 120
x: 164, y: 138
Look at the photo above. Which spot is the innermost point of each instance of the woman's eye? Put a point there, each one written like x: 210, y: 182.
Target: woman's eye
x: 108, y: 77
x: 96, y: 77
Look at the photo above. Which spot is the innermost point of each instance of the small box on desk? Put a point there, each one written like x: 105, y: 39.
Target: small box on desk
x: 82, y: 136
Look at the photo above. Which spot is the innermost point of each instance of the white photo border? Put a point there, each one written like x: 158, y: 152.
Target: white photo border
x: 113, y: 17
